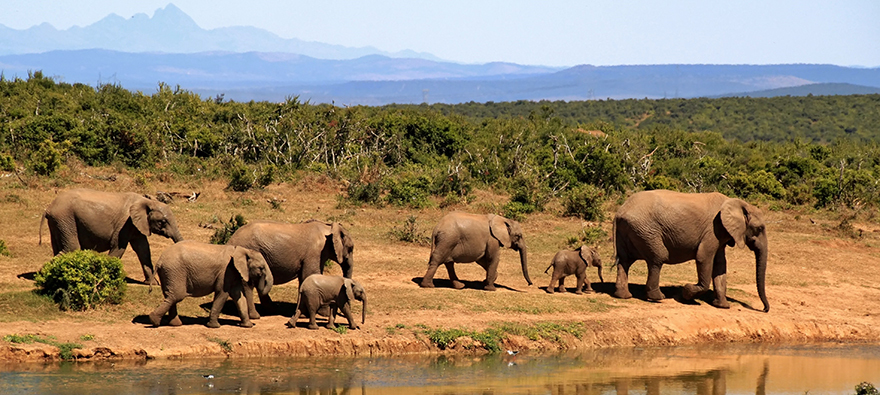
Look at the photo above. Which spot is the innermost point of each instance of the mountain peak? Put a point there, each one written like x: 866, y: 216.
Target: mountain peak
x: 173, y: 16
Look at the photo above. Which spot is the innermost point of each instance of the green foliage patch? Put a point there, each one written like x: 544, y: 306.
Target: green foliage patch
x: 80, y: 280
x: 222, y: 235
x: 65, y: 350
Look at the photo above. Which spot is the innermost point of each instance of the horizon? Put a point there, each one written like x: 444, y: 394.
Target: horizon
x: 745, y: 33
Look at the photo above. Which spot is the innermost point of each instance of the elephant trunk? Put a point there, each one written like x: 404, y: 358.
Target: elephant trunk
x: 525, y: 264
x: 266, y: 283
x: 364, y: 310
x: 761, y: 270
x: 176, y: 236
x: 601, y: 280
x: 347, y: 265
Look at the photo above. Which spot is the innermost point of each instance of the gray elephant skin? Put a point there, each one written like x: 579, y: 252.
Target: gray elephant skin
x: 108, y: 221
x: 319, y: 291
x: 666, y: 227
x: 196, y: 269
x: 568, y: 262
x: 463, y: 238
x: 296, y: 251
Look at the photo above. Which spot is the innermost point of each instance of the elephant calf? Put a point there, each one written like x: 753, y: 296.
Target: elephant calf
x: 318, y: 291
x: 191, y: 268
x: 575, y: 262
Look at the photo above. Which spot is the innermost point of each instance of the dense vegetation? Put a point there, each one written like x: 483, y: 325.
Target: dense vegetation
x: 814, y: 151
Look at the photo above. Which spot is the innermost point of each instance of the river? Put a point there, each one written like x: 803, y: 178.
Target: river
x: 719, y: 369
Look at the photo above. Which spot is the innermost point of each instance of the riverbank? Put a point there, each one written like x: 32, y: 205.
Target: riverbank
x: 822, y: 287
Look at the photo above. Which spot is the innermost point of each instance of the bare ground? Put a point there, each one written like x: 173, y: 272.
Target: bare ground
x: 822, y: 285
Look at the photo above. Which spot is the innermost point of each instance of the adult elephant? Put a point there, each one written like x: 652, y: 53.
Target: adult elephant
x: 296, y: 251
x: 463, y: 238
x: 108, y: 221
x: 671, y: 227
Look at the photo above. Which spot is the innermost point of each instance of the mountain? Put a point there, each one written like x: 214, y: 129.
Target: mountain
x: 822, y: 89
x: 173, y: 31
x: 377, y: 80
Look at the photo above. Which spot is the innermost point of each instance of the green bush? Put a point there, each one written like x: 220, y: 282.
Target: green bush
x: 4, y: 250
x: 409, y: 191
x: 7, y: 163
x: 222, y: 235
x: 589, y: 235
x: 364, y: 192
x: 46, y: 160
x: 80, y: 280
x: 241, y: 178
x: 586, y: 202
x: 409, y: 232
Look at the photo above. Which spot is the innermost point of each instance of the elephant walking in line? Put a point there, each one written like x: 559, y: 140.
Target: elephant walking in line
x: 191, y: 268
x: 108, y: 221
x: 319, y: 291
x: 296, y: 251
x: 568, y: 262
x: 463, y: 238
x: 666, y: 227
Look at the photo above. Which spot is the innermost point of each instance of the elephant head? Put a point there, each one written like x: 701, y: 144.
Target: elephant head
x: 150, y: 216
x: 252, y: 268
x: 343, y: 248
x: 355, y: 291
x: 745, y: 224
x: 509, y: 234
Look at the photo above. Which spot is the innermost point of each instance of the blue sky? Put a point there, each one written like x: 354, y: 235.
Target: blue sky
x: 551, y: 32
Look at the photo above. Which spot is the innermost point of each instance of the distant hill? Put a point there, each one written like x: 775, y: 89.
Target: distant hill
x: 173, y: 31
x: 825, y: 89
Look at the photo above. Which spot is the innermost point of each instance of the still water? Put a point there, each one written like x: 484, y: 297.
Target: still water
x: 728, y: 369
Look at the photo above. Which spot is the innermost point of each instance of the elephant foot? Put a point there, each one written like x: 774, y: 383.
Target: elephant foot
x: 313, y: 326
x: 175, y: 322
x: 578, y: 292
x: 721, y: 303
x: 550, y: 290
x: 622, y: 294
x: 457, y: 284
x: 254, y: 315
x: 690, y: 291
x: 588, y: 291
x: 155, y: 320
x: 354, y: 327
x: 290, y: 324
x: 655, y: 295
x: 490, y: 287
x: 330, y: 326
x: 246, y: 324
x: 213, y: 324
x: 426, y: 284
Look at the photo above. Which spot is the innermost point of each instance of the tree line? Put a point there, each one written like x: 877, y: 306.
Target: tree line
x: 819, y: 151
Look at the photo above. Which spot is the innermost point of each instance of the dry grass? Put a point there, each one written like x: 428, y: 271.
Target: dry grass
x: 803, y: 254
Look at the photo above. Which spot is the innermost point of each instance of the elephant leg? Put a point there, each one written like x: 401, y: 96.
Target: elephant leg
x: 433, y: 263
x: 220, y: 299
x: 141, y: 247
x: 583, y: 283
x: 292, y: 322
x: 331, y: 318
x: 704, y: 279
x: 491, y: 272
x: 719, y: 280
x: 346, y: 311
x: 553, y: 279
x: 249, y: 301
x: 456, y: 283
x: 653, y: 283
x: 167, y: 305
x: 561, y: 287
x: 175, y: 318
x: 313, y: 312
x: 622, y: 287
x: 241, y: 303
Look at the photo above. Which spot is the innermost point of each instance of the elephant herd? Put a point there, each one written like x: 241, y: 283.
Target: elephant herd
x: 659, y: 227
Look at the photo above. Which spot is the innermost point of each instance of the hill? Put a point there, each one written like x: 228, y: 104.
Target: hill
x: 824, y: 89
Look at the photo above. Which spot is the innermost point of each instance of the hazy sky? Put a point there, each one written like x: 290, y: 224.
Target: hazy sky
x: 549, y: 32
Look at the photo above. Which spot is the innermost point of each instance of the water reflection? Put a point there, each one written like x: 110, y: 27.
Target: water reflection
x: 690, y: 370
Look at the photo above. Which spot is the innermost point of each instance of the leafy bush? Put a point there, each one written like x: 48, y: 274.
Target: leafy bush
x: 589, y: 235
x: 409, y: 232
x: 3, y: 249
x: 241, y: 178
x: 46, y: 160
x: 586, y: 202
x: 7, y: 163
x: 409, y: 190
x: 222, y: 235
x: 364, y: 192
x: 80, y: 280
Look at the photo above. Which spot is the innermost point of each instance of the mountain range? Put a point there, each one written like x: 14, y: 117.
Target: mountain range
x: 247, y: 63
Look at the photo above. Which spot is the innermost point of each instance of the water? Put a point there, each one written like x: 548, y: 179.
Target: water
x: 726, y: 369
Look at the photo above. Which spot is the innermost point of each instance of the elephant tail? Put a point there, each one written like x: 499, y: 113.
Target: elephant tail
x: 615, y: 258
x: 548, y: 268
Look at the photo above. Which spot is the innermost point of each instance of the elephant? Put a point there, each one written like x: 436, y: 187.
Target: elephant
x: 568, y: 262
x: 667, y: 227
x: 192, y: 268
x: 108, y: 221
x: 462, y: 238
x: 318, y: 291
x: 296, y: 250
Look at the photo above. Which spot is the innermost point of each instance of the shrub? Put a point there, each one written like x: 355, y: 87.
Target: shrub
x: 409, y: 232
x: 80, y: 280
x: 241, y: 178
x: 222, y: 235
x: 585, y: 202
x: 7, y: 163
x: 589, y: 235
x: 409, y: 190
x: 4, y: 250
x: 46, y: 160
x: 364, y: 192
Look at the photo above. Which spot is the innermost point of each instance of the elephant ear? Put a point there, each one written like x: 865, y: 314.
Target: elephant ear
x: 733, y: 217
x: 597, y: 261
x: 240, y: 261
x: 341, y: 240
x: 139, y: 212
x: 584, y: 252
x: 499, y: 230
x: 348, y: 292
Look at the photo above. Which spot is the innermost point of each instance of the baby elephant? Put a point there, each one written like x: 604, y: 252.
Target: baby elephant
x: 318, y: 291
x: 191, y: 268
x: 574, y: 262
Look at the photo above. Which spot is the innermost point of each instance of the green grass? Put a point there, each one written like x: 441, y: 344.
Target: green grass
x: 224, y: 344
x: 65, y: 349
x: 492, y: 337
